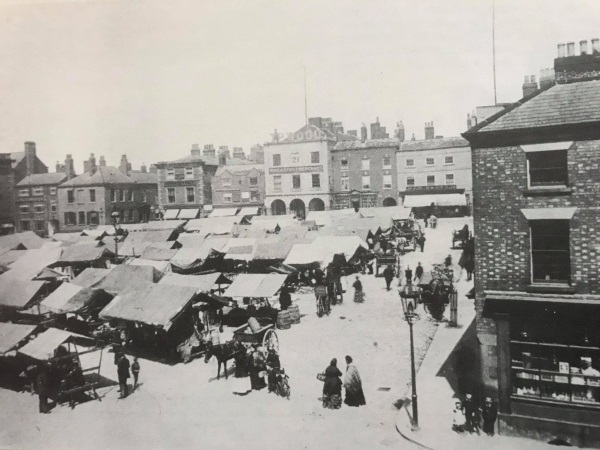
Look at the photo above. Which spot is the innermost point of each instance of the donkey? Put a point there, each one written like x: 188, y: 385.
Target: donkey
x: 223, y: 353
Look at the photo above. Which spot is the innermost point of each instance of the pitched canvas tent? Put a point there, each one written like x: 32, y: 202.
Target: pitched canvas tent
x: 202, y: 283
x: 128, y: 277
x: 12, y: 334
x: 255, y: 285
x: 32, y: 262
x: 18, y: 293
x: 44, y: 345
x: 161, y: 266
x: 27, y: 240
x: 71, y: 298
x: 90, y: 277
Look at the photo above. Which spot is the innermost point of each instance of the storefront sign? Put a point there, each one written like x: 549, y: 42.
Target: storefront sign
x: 297, y: 169
x: 180, y: 183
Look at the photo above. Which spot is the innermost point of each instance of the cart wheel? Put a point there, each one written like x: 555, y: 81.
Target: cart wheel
x: 270, y: 340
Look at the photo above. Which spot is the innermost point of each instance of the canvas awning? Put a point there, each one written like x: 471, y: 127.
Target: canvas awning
x: 202, y: 283
x: 171, y: 214
x: 83, y: 253
x: 32, y: 262
x: 42, y: 347
x: 124, y: 277
x: 248, y: 211
x: 211, y: 299
x: 161, y: 266
x: 273, y: 250
x: 158, y: 305
x: 71, y: 298
x: 223, y: 212
x: 16, y: 292
x: 11, y: 334
x: 188, y: 213
x: 412, y: 201
x: 255, y: 285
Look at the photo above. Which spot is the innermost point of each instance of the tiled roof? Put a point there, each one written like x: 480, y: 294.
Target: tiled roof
x: 102, y: 176
x: 144, y: 177
x: 193, y: 158
x: 432, y: 144
x: 562, y: 104
x: 370, y: 143
x: 40, y: 179
x: 239, y: 169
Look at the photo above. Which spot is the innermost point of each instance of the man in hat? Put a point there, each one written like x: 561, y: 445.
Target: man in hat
x: 418, y: 272
x: 489, y: 413
x: 388, y: 275
x: 123, y: 373
x: 408, y: 274
x: 471, y: 414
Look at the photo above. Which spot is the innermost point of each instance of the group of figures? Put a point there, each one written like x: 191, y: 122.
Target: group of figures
x: 332, y: 385
x: 123, y: 367
x: 469, y: 417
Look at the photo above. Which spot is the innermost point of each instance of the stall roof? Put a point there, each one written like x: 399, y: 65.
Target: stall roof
x: 327, y: 217
x: 10, y: 256
x: 161, y: 266
x: 149, y: 236
x: 156, y: 253
x: 207, y: 297
x: 27, y: 240
x: 153, y: 225
x: 348, y: 245
x: 65, y: 236
x: 237, y: 242
x: 248, y: 231
x: 411, y: 201
x: 90, y: 277
x: 202, y: 283
x: 171, y: 214
x: 11, y: 334
x: 17, y: 292
x: 241, y: 253
x: 32, y: 262
x: 124, y: 277
x: 48, y: 274
x: 42, y: 347
x: 255, y: 285
x: 301, y: 254
x: 132, y: 247
x: 83, y: 253
x: 99, y: 231
x: 212, y: 225
x: 223, y: 212
x: 188, y: 213
x: 191, y: 240
x: 274, y: 250
x: 71, y: 298
x: 156, y: 305
x: 248, y: 211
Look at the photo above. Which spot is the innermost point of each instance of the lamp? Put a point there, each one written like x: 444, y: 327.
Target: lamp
x: 408, y: 307
x: 115, y: 216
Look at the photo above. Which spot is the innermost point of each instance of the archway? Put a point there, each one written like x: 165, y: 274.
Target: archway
x: 278, y: 208
x: 297, y: 207
x: 316, y: 204
x: 390, y: 201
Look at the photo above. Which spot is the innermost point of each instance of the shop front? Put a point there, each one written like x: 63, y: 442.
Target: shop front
x: 549, y: 368
x: 355, y: 199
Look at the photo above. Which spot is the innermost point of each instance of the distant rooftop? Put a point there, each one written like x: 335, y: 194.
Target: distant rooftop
x: 369, y: 143
x: 43, y: 179
x: 433, y: 144
x: 102, y: 175
x: 239, y: 168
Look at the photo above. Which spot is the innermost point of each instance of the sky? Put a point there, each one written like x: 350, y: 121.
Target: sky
x: 150, y: 78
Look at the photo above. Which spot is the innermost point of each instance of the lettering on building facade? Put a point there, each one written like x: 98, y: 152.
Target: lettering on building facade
x: 298, y: 169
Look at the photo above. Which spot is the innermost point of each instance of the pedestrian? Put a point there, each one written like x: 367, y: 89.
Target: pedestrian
x: 370, y: 261
x: 332, y: 388
x: 273, y: 365
x: 42, y: 389
x: 489, y: 413
x: 433, y: 222
x: 388, y: 275
x: 353, y: 385
x: 458, y: 418
x: 135, y: 369
x: 471, y: 414
x: 256, y: 366
x: 421, y: 242
x: 448, y: 261
x: 408, y: 274
x: 123, y: 373
x: 359, y: 295
x: 285, y: 299
x: 426, y: 219
x: 418, y: 272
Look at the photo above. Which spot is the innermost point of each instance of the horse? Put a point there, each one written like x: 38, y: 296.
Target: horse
x: 223, y: 353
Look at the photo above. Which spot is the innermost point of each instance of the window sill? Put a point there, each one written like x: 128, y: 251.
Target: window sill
x: 550, y: 288
x: 547, y: 190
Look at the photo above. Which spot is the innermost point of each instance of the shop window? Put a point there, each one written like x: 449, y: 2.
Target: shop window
x: 93, y: 218
x: 236, y: 197
x: 276, y: 159
x: 314, y: 157
x: 254, y: 196
x: 190, y: 195
x: 387, y: 181
x: 170, y: 195
x: 25, y: 225
x: 547, y: 168
x: 40, y: 225
x: 345, y: 183
x: 316, y: 180
x: 245, y: 197
x: 295, y: 181
x: 551, y: 364
x: 92, y: 195
x: 550, y: 252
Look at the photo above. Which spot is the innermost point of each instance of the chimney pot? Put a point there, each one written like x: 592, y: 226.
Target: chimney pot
x: 532, y: 78
x: 561, y: 50
x: 595, y: 45
x: 570, y: 48
x: 583, y: 47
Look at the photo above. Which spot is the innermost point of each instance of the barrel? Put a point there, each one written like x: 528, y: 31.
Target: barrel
x: 254, y: 325
x: 294, y: 311
x: 215, y: 337
x: 283, y: 320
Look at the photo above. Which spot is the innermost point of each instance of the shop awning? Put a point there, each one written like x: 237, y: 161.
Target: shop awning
x: 255, y: 285
x: 17, y: 293
x: 248, y: 211
x: 171, y: 214
x: 202, y: 283
x: 42, y: 347
x: 188, y: 213
x: 223, y: 212
x: 11, y: 334
x: 412, y: 201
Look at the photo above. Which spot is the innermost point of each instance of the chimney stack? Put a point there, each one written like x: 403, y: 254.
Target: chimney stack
x: 529, y: 86
x: 69, y: 167
x: 399, y: 133
x: 583, y: 47
x: 595, y: 45
x: 352, y: 133
x: 257, y: 154
x: 144, y: 169
x: 562, y: 50
x: 195, y: 150
x: 469, y: 122
x: 238, y: 152
x: 546, y: 78
x: 153, y: 169
x: 363, y: 132
x: 209, y: 151
x: 222, y: 159
x: 30, y: 157
x: 570, y: 48
x: 90, y: 164
x: 429, y: 130
x: 59, y: 167
x: 224, y: 150
x: 124, y: 167
x: 413, y: 137
x: 102, y: 162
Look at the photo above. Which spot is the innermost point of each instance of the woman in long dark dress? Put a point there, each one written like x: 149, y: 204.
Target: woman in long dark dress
x: 332, y: 388
x: 359, y: 295
x: 353, y: 385
x: 256, y: 366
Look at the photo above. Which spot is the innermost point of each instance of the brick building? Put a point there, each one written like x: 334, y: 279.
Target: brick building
x: 184, y: 185
x: 90, y: 199
x: 364, y: 173
x: 236, y: 185
x: 438, y: 171
x: 37, y: 202
x: 537, y: 278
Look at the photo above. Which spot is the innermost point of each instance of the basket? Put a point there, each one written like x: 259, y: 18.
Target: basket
x: 321, y: 377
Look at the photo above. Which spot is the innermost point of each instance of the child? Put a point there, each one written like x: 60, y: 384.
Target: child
x: 135, y: 368
x: 458, y: 418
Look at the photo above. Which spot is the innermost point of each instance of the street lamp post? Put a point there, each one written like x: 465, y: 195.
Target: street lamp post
x: 115, y: 216
x: 411, y: 317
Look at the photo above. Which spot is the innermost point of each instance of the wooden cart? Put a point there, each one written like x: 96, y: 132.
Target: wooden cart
x: 265, y: 336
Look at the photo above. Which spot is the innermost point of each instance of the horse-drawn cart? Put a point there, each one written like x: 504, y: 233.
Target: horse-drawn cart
x: 265, y: 335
